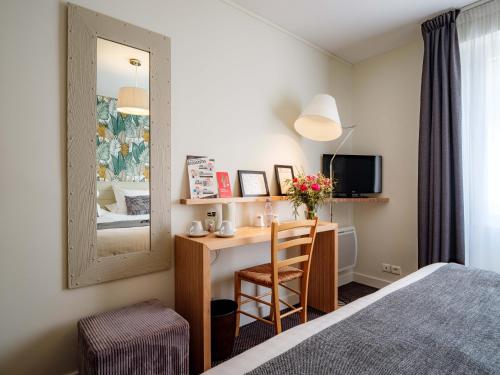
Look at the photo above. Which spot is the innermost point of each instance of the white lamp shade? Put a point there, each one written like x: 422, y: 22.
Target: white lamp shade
x: 133, y: 101
x: 320, y: 120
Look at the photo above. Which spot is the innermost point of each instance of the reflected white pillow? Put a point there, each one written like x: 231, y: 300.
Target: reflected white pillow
x: 111, y: 207
x: 120, y: 193
x: 99, y: 210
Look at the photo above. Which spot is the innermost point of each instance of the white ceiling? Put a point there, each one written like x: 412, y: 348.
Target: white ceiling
x: 351, y: 29
x: 114, y: 69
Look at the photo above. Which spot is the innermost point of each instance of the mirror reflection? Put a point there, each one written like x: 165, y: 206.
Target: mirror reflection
x: 122, y: 149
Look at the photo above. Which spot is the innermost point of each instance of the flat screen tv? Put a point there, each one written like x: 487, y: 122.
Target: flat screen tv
x: 355, y: 175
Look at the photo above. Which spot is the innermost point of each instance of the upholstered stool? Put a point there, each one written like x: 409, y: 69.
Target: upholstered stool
x: 146, y: 338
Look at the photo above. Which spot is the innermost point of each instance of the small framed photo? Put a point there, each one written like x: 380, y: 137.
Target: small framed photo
x: 283, y: 173
x: 253, y: 183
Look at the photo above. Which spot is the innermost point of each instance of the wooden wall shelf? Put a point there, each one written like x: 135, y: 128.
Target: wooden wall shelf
x: 362, y: 200
x: 191, y: 202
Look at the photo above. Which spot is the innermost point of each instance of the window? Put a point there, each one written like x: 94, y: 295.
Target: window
x: 479, y: 36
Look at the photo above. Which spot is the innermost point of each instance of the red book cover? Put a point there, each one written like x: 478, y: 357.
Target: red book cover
x: 224, y: 185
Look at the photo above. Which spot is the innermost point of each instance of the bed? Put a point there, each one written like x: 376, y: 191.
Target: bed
x: 122, y: 234
x: 117, y: 231
x: 442, y: 319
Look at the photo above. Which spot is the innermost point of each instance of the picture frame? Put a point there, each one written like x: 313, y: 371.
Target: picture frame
x: 253, y: 183
x: 283, y: 173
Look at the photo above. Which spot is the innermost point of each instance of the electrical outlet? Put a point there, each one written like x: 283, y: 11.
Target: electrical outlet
x: 396, y: 270
x: 386, y: 267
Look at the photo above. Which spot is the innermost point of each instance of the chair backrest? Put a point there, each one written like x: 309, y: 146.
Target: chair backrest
x: 307, y: 242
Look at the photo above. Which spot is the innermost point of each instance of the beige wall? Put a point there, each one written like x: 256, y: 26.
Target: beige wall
x: 237, y: 86
x: 386, y: 112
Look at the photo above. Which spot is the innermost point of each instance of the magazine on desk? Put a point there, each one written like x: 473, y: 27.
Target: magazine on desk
x: 202, y: 181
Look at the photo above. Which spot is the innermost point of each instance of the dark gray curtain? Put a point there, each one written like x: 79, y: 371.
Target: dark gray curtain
x: 440, y: 191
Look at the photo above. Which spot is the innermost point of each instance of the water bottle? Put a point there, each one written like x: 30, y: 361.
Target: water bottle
x: 268, y: 212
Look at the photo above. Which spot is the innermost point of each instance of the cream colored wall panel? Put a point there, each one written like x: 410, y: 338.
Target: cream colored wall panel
x: 386, y: 102
x: 232, y: 77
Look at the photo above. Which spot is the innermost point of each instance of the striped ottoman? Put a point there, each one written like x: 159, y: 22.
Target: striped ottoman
x: 146, y: 338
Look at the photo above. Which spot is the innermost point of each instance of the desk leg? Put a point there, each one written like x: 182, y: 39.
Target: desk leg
x: 323, y: 277
x: 192, y: 299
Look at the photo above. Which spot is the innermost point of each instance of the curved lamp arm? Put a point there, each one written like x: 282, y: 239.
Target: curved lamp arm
x: 351, y: 129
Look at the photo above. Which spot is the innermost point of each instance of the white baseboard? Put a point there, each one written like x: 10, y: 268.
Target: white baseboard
x: 370, y: 280
x: 346, y: 277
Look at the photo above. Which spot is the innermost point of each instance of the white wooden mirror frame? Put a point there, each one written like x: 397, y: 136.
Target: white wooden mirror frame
x: 84, y: 267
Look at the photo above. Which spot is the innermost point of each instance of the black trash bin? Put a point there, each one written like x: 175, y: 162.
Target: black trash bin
x: 223, y: 313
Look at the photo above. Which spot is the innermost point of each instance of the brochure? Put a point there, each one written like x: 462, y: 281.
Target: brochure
x: 201, y: 172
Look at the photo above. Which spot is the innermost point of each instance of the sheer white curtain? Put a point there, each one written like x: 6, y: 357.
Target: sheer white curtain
x: 479, y: 36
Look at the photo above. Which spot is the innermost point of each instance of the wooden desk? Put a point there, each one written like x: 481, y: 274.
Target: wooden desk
x: 193, y: 286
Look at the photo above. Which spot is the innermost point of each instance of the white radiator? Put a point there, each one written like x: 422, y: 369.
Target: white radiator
x: 348, y: 248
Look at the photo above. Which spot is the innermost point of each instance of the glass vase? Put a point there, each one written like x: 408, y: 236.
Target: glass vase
x: 310, y: 213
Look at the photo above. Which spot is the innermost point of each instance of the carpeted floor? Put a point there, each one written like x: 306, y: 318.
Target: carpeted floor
x: 257, y: 332
x: 352, y: 291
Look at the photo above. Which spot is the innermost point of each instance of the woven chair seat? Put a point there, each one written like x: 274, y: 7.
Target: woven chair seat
x: 261, y: 274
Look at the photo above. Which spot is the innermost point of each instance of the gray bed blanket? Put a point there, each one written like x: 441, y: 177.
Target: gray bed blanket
x: 446, y: 323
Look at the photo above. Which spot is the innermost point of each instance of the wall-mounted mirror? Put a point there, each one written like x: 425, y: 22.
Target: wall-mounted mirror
x: 122, y: 149
x: 119, y: 125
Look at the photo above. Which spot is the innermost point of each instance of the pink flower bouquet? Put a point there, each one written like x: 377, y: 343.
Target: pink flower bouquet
x: 310, y: 190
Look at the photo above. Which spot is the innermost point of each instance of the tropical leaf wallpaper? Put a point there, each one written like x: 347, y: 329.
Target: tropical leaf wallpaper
x: 122, y: 143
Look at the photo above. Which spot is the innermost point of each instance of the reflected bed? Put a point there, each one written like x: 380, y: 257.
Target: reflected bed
x: 122, y: 234
x: 118, y: 232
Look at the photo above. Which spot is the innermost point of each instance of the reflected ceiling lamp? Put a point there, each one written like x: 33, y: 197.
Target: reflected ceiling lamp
x: 320, y: 121
x: 133, y: 100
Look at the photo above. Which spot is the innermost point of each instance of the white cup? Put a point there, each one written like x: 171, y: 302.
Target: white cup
x: 259, y: 221
x: 226, y: 228
x: 195, y: 228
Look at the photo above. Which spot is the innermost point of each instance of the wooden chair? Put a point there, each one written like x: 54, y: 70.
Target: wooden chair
x: 275, y: 274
